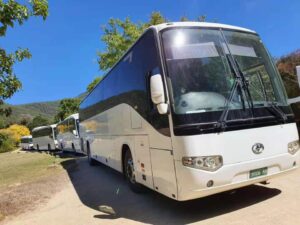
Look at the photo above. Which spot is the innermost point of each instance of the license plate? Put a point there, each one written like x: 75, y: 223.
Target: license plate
x: 258, y: 172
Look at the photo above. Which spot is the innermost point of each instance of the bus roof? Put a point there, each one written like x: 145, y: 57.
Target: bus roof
x: 43, y: 127
x: 74, y: 116
x: 162, y: 26
x: 24, y: 137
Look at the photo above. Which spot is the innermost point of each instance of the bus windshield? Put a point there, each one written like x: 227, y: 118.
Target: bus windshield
x: 202, y: 65
x: 26, y: 140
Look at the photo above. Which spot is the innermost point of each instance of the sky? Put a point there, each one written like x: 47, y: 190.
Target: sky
x: 64, y: 47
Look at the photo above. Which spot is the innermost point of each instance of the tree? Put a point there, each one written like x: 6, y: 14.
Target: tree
x: 38, y: 121
x: 120, y: 35
x: 91, y: 86
x: 287, y: 69
x: 11, y: 13
x: 66, y: 108
x: 15, y: 132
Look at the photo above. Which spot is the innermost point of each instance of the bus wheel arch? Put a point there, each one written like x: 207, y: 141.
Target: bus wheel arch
x: 126, y: 157
x: 91, y: 161
x: 125, y: 148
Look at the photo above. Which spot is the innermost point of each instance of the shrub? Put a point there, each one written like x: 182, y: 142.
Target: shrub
x: 6, y: 142
x: 16, y: 131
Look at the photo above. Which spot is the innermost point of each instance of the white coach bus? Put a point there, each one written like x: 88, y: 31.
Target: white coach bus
x: 44, y: 138
x: 68, y: 134
x: 192, y: 109
x: 26, y: 142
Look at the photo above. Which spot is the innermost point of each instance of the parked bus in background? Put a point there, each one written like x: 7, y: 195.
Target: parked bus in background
x: 68, y: 134
x: 44, y: 138
x: 192, y: 109
x: 26, y: 142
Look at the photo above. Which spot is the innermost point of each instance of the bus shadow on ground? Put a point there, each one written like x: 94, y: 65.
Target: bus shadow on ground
x: 105, y: 190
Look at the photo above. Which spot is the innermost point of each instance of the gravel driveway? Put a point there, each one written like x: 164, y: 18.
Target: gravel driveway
x: 98, y: 195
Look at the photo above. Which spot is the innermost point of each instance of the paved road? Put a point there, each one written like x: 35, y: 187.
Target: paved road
x: 88, y: 188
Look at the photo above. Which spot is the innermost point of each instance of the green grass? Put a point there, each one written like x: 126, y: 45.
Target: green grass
x: 20, y: 167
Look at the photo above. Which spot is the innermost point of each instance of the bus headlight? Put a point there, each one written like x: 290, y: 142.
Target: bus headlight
x: 293, y: 147
x: 209, y: 163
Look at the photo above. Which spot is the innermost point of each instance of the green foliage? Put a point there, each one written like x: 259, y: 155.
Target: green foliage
x: 24, y: 114
x: 120, y: 35
x: 12, y: 12
x: 9, y: 83
x: 38, y: 121
x: 91, y: 86
x: 184, y: 19
x: 66, y: 108
x: 287, y: 69
x: 6, y: 143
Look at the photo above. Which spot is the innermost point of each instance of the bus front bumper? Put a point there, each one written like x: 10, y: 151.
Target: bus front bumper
x: 192, y: 183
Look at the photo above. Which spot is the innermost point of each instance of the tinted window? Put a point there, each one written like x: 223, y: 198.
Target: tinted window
x: 62, y: 127
x: 127, y: 83
x: 71, y: 125
x: 47, y: 131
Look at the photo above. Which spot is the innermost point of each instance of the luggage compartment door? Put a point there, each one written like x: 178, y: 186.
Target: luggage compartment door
x: 163, y: 170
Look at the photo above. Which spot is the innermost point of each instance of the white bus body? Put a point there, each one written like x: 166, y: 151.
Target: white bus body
x: 26, y: 142
x: 68, y: 134
x: 213, y: 121
x: 44, y: 137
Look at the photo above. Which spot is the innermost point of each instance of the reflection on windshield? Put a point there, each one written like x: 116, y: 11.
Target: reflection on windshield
x: 201, y: 77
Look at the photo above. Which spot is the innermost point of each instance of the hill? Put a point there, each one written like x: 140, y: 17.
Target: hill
x: 30, y: 110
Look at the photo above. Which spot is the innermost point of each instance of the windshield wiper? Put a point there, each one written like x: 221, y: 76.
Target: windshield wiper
x: 245, y: 85
x: 222, y: 122
x: 278, y: 111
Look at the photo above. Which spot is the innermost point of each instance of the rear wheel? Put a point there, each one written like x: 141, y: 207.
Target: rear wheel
x: 91, y: 161
x: 37, y: 147
x: 130, y: 173
x: 49, y: 147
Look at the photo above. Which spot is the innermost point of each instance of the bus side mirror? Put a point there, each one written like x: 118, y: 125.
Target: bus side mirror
x: 75, y: 132
x: 298, y: 74
x: 158, y: 94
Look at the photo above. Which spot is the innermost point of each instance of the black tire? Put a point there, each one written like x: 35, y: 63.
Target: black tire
x: 129, y: 173
x: 37, y: 147
x: 49, y: 147
x: 73, y: 147
x: 91, y: 161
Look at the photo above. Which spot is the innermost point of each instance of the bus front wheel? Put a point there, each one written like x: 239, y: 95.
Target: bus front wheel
x: 130, y: 173
x: 91, y: 161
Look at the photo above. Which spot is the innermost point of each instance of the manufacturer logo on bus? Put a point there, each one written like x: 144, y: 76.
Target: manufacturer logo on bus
x: 258, y: 148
